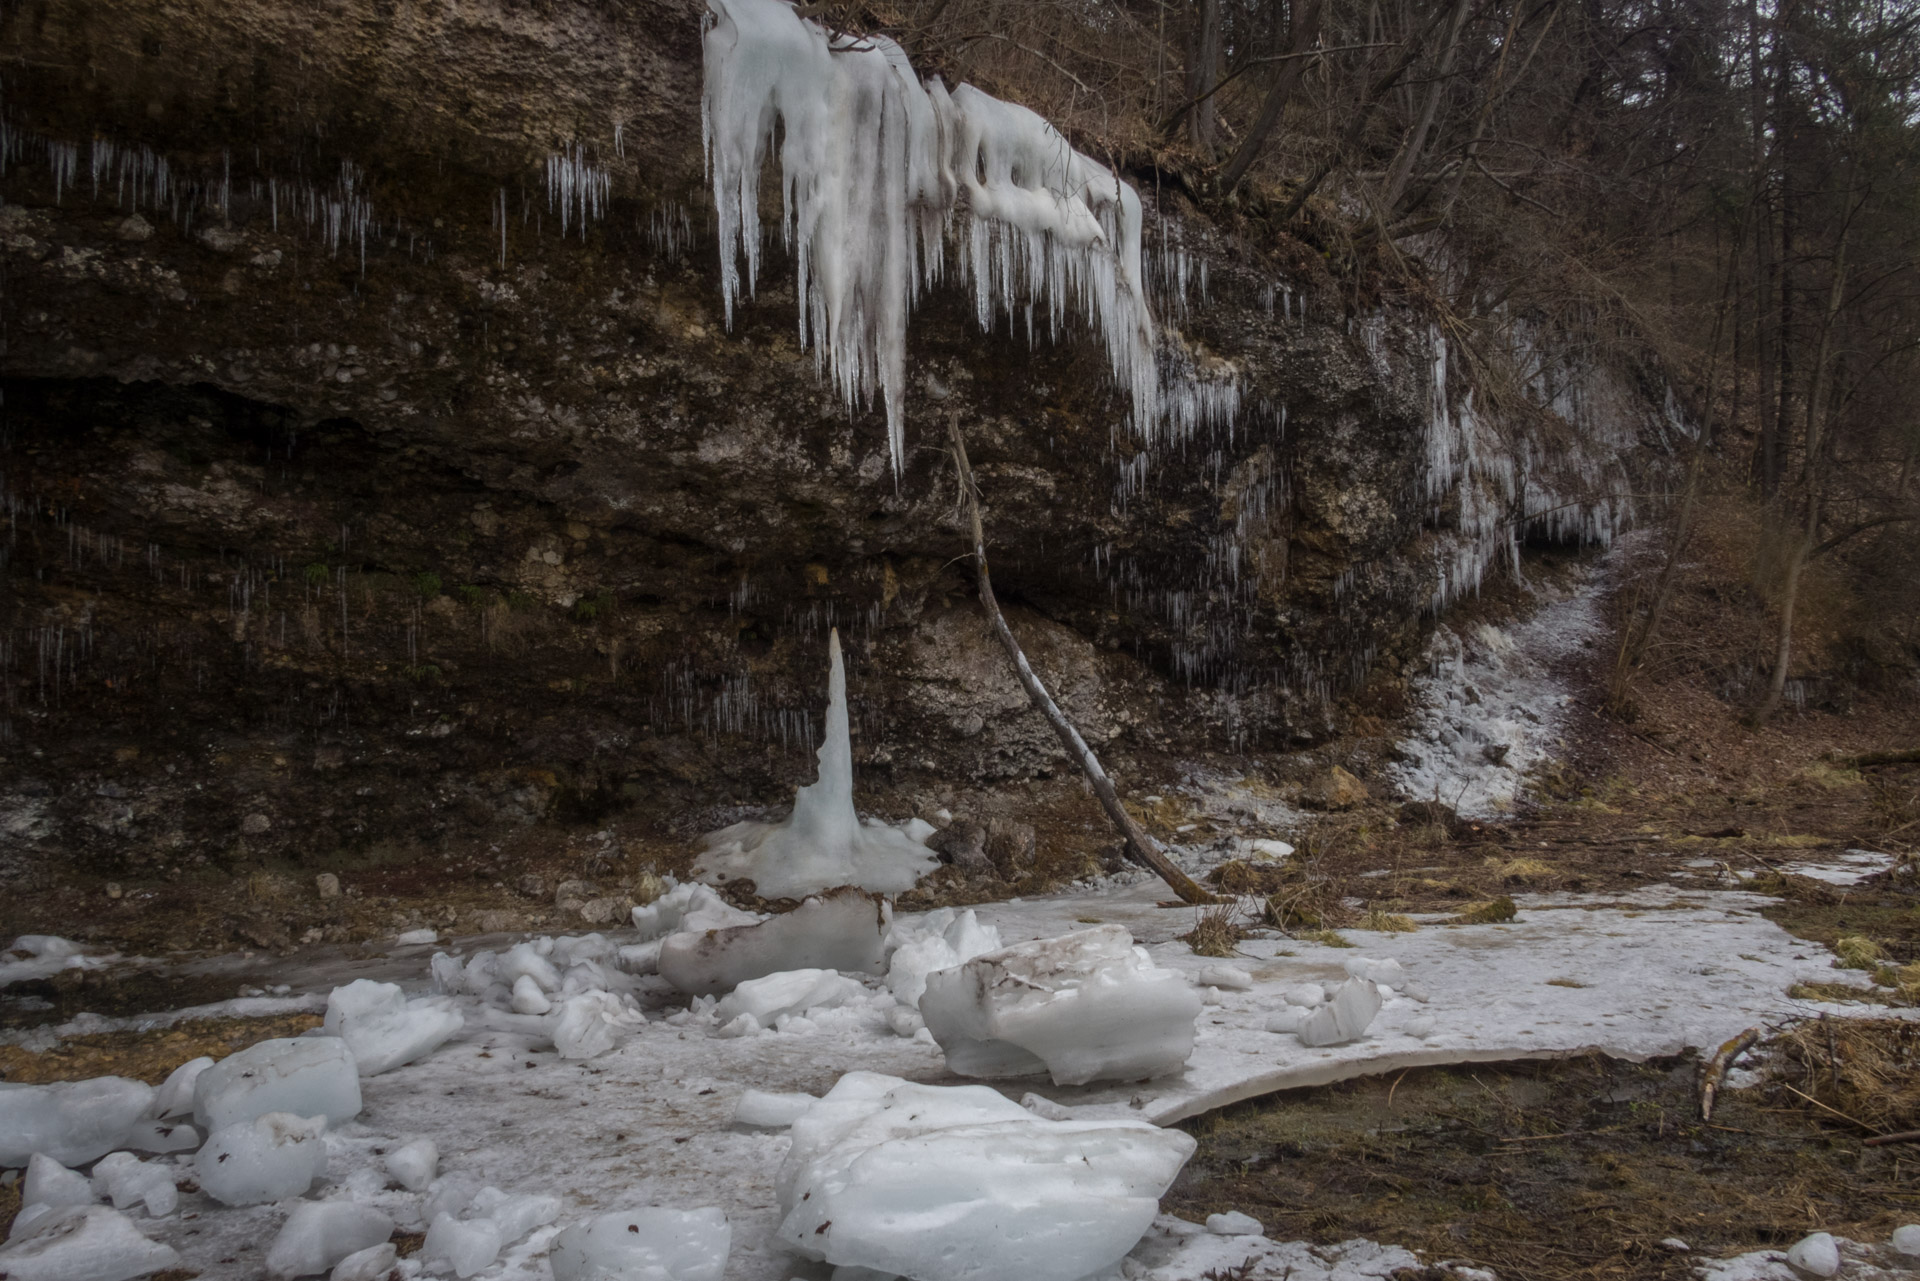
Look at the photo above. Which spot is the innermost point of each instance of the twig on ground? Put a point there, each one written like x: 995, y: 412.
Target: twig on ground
x: 1716, y: 1069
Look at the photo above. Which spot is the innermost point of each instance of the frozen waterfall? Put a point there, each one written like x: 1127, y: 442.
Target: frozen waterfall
x: 876, y: 169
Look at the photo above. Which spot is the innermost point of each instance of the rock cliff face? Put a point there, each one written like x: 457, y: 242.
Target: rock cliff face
x: 377, y: 482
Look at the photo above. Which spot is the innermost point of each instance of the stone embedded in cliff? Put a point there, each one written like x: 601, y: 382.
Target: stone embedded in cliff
x: 823, y: 843
x: 1086, y: 1006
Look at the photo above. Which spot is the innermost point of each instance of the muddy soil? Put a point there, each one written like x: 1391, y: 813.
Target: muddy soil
x: 1571, y: 1169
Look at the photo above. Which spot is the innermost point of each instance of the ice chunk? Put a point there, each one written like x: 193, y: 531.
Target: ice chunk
x: 450, y: 1194
x: 1906, y: 1239
x: 590, y: 1024
x: 416, y: 938
x: 528, y: 998
x: 690, y: 907
x: 823, y: 843
x: 514, y: 1215
x: 466, y: 1245
x: 1231, y: 977
x: 27, y: 1217
x: 1270, y: 849
x: 844, y: 930
x: 83, y: 1243
x: 1287, y: 1019
x: 72, y: 1122
x: 319, y: 1234
x: 370, y: 1264
x: 149, y: 1135
x: 768, y: 1111
x: 1305, y: 995
x: 412, y: 1165
x: 1387, y: 973
x: 383, y: 1028
x: 644, y: 1245
x: 1234, y: 1224
x: 307, y: 1076
x: 941, y: 941
x: 1817, y: 1255
x: 524, y: 960
x: 1086, y: 1006
x: 958, y: 1183
x: 126, y: 1180
x: 743, y: 1025
x: 1345, y: 1017
x: 788, y: 992
x: 270, y: 1157
x: 50, y: 1183
x: 175, y: 1095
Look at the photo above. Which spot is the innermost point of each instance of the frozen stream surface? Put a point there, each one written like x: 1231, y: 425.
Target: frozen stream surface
x: 650, y: 1123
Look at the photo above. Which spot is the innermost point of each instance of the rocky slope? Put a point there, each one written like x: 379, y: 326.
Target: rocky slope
x: 371, y: 503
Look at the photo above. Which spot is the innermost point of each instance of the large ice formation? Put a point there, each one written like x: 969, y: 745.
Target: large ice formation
x: 72, y: 1122
x: 307, y: 1076
x: 383, y: 1028
x: 823, y: 843
x: 874, y: 166
x: 844, y: 930
x: 1086, y: 1006
x: 82, y: 1243
x: 959, y: 1183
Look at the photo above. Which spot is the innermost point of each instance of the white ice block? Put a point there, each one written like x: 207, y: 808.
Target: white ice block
x: 592, y: 1023
x: 959, y: 1183
x: 1086, y: 1006
x: 514, y: 1215
x: 1234, y: 1224
x: 1345, y: 1017
x: 83, y: 1243
x: 465, y: 1245
x: 307, y: 1076
x: 788, y: 992
x: 370, y: 1264
x: 528, y: 998
x: 644, y: 1245
x: 175, y: 1095
x: 383, y: 1028
x: 690, y: 908
x: 126, y: 1180
x: 50, y: 1183
x: 1231, y: 977
x: 414, y: 1164
x: 940, y: 941
x: 822, y: 844
x: 768, y: 1111
x: 319, y: 1234
x: 844, y: 930
x: 73, y: 1122
x: 270, y: 1157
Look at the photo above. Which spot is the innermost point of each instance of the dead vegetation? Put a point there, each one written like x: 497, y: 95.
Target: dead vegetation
x: 144, y: 1056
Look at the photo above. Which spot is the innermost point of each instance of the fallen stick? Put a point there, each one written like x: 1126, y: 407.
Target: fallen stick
x: 1905, y: 1136
x: 1716, y: 1070
x: 1867, y: 760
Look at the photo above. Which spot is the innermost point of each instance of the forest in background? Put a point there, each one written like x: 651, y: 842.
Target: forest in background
x: 1723, y: 192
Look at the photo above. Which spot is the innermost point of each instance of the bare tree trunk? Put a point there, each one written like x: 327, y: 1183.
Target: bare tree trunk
x: 1203, y: 72
x: 1764, y: 405
x: 1416, y: 141
x: 1303, y: 31
x: 1141, y: 847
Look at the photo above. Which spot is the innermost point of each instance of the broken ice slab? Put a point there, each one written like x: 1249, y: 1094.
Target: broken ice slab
x: 1086, y: 1006
x: 959, y: 1183
x: 844, y: 930
x: 764, y: 1110
x: 383, y: 1028
x: 1344, y: 1017
x: 788, y: 992
x: 939, y: 941
x: 307, y: 1076
x: 645, y: 1245
x: 319, y: 1234
x: 82, y: 1243
x: 266, y: 1159
x: 73, y: 1122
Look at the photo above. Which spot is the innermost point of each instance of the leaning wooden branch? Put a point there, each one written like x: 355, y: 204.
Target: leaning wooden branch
x: 1141, y: 848
x: 1715, y: 1072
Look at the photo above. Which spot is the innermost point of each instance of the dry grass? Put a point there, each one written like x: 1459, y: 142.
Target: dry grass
x: 144, y: 1056
x: 1384, y: 922
x: 1492, y: 912
x: 1857, y: 952
x: 1866, y: 1070
x: 1216, y: 930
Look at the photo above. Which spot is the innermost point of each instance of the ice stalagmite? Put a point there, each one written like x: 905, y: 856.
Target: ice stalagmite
x: 823, y: 843
x: 876, y: 168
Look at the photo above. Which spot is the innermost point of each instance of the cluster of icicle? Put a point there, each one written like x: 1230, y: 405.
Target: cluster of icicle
x: 877, y: 169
